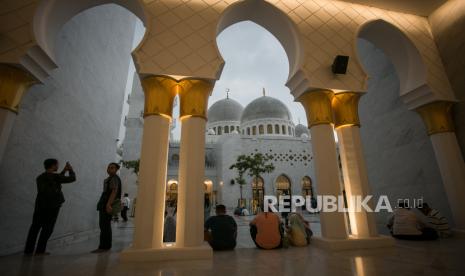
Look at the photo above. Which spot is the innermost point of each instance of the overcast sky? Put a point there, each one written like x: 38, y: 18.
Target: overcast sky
x: 254, y: 59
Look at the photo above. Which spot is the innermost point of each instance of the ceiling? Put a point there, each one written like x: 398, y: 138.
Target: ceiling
x: 418, y: 7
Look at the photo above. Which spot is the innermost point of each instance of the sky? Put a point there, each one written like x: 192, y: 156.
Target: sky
x: 254, y: 59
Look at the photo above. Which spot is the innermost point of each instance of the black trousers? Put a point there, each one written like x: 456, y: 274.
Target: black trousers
x: 105, y: 230
x: 124, y: 213
x: 43, y: 221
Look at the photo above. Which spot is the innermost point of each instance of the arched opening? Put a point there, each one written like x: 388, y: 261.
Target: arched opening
x: 258, y: 193
x: 171, y: 193
x: 272, y: 19
x: 395, y: 68
x: 307, y: 188
x: 401, y: 51
x: 283, y: 185
x: 52, y: 15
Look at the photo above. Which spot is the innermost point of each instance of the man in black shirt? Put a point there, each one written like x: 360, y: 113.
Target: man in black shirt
x: 47, y: 206
x: 221, y: 230
x: 111, y: 194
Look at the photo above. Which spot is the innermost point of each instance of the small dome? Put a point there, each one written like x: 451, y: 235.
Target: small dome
x: 304, y: 135
x: 211, y: 132
x: 301, y: 129
x: 265, y: 108
x: 234, y: 132
x: 225, y: 110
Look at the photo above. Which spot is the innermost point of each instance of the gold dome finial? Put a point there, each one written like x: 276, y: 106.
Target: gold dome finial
x: 264, y: 94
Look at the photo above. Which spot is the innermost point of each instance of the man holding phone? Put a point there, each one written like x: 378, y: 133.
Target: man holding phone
x: 47, y: 206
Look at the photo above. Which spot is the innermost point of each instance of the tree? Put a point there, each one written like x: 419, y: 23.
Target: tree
x: 132, y: 165
x: 254, y: 165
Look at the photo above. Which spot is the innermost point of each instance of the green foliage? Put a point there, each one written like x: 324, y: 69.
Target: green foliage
x: 254, y: 165
x: 132, y: 165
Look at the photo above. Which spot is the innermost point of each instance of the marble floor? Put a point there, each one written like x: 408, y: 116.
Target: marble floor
x: 442, y: 257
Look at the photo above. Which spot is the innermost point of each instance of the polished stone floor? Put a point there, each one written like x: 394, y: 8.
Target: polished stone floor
x: 443, y: 257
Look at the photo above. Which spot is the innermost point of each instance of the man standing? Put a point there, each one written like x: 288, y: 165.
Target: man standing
x: 47, y: 206
x: 111, y: 192
x: 126, y: 202
x: 221, y: 230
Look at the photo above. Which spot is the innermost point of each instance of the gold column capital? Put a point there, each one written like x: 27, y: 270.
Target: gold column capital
x: 437, y: 117
x: 159, y: 93
x: 193, y: 94
x: 14, y: 82
x: 345, y: 109
x: 317, y: 105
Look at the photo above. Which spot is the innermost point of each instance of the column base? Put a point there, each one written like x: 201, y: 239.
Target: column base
x: 203, y: 252
x: 353, y: 243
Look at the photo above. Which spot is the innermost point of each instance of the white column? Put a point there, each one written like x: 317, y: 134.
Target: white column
x: 189, y: 228
x: 14, y: 82
x: 440, y: 127
x: 149, y: 217
x: 7, y: 119
x: 333, y: 225
x: 362, y: 223
x: 347, y: 124
x: 317, y: 104
x: 452, y: 168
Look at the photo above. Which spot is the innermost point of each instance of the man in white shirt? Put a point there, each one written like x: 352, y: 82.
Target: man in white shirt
x: 125, y: 202
x: 436, y: 220
x: 404, y: 224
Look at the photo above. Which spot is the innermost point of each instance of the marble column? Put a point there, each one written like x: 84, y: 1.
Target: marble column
x: 14, y: 82
x: 438, y: 121
x: 190, y: 213
x: 317, y: 105
x: 149, y: 218
x: 347, y: 124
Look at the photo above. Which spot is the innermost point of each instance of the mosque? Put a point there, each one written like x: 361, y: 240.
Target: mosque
x: 383, y: 78
x: 264, y: 126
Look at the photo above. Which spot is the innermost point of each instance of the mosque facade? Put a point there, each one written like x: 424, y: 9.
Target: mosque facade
x: 264, y: 126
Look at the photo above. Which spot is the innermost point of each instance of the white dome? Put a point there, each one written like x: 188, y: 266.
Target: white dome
x: 265, y: 108
x: 225, y: 110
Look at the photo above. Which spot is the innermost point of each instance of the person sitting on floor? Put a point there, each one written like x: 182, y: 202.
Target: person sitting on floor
x: 266, y: 230
x: 404, y: 224
x: 436, y: 220
x: 221, y: 230
x: 297, y: 231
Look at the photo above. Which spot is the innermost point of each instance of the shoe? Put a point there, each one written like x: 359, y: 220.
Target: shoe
x: 42, y: 254
x: 99, y: 250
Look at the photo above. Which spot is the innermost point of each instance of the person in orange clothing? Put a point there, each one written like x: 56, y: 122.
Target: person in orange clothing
x: 266, y: 230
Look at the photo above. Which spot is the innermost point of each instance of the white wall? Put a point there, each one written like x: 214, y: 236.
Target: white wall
x: 399, y: 155
x: 74, y: 116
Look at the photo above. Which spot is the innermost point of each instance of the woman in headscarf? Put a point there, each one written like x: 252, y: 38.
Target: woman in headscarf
x: 296, y: 231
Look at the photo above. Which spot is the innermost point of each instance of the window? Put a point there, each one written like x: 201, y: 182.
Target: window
x: 220, y: 130
x: 269, y: 129
x: 289, y: 130
x: 284, y: 129
x: 254, y: 130
x: 214, y: 129
x: 276, y: 129
x: 248, y: 131
x: 261, y: 130
x: 226, y: 129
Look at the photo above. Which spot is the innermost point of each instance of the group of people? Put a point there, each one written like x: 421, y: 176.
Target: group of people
x: 50, y: 198
x: 426, y: 224
x: 266, y: 230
